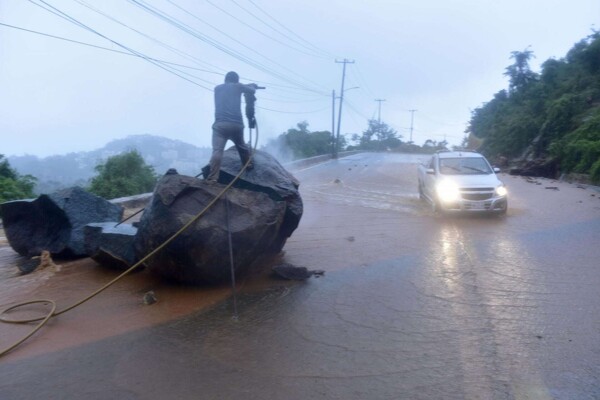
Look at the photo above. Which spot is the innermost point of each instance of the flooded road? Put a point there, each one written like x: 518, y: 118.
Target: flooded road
x: 412, y: 306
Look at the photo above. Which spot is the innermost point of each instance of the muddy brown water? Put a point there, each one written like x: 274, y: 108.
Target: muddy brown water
x: 412, y: 305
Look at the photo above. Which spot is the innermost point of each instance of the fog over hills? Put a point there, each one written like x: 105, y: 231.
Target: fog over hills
x: 60, y: 171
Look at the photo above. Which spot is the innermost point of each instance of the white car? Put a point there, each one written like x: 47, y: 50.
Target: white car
x: 462, y: 181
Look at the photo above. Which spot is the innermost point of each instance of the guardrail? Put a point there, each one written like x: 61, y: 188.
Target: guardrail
x: 307, y: 162
x: 141, y: 200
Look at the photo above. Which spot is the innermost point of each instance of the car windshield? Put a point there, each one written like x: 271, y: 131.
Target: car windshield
x: 464, y: 166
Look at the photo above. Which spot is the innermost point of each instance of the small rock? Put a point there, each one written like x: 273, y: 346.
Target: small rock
x: 150, y: 298
x: 291, y: 272
x: 42, y: 261
x: 350, y: 238
x: 552, y: 187
x: 28, y: 266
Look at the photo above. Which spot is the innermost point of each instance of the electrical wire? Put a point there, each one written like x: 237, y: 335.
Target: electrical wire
x: 160, y: 43
x: 310, y: 45
x: 191, y: 31
x: 275, y: 100
x: 227, y: 35
x: 169, y: 66
x: 74, y: 21
x: 363, y: 83
x: 295, y: 112
x: 356, y: 110
x: 280, y: 99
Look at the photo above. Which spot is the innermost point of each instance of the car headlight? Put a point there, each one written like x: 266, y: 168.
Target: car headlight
x: 447, y: 191
x: 501, y: 191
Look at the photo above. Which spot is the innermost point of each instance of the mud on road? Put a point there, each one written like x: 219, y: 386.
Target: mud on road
x: 411, y: 305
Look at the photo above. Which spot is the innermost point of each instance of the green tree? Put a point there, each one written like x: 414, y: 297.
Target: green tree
x: 378, y: 137
x: 12, y: 185
x: 122, y: 175
x: 519, y: 73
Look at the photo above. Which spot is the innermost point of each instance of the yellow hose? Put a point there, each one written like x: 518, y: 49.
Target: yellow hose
x: 54, y: 313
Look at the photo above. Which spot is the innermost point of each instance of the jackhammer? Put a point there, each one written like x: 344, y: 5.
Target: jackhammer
x: 250, y: 99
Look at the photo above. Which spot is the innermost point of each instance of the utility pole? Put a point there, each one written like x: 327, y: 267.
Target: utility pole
x: 333, y: 154
x: 337, y: 139
x: 412, y: 118
x: 379, y: 113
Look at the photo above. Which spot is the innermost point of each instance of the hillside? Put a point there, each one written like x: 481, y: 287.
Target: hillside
x: 62, y: 171
x: 548, y: 120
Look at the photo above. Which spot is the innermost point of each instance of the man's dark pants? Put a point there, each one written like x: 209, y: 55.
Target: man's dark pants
x: 223, y: 131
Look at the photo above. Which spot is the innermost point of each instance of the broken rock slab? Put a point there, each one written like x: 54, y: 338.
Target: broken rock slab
x: 110, y: 244
x: 55, y: 222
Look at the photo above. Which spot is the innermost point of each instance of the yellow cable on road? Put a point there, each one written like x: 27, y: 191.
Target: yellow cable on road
x: 54, y: 313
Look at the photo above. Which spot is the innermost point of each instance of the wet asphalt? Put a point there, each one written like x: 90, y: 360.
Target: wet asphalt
x: 412, y: 306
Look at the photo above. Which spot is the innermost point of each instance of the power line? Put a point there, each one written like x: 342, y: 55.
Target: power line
x: 243, y: 22
x: 314, y: 99
x: 253, y: 28
x: 174, y: 68
x: 162, y: 44
x: 329, y: 55
x: 294, y: 112
x: 74, y: 21
x: 270, y: 26
x: 267, y: 98
x: 191, y: 31
x: 361, y: 79
x: 355, y: 109
x: 222, y: 32
x: 71, y: 40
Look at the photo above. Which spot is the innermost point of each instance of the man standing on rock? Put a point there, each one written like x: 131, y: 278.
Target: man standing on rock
x: 229, y: 124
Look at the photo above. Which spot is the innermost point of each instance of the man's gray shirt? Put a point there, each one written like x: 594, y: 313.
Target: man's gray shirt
x: 228, y: 102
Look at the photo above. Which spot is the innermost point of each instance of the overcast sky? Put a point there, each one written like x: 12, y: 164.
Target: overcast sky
x: 442, y: 58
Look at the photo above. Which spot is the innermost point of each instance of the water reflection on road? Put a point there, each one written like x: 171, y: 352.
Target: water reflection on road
x: 411, y: 306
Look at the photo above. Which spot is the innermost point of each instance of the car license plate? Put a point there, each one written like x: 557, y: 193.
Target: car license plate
x: 479, y: 205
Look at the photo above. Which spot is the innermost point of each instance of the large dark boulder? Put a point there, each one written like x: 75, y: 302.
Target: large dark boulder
x: 55, y: 222
x: 267, y: 176
x: 264, y: 209
x: 110, y: 244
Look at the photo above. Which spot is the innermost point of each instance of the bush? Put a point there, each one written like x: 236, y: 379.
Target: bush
x: 123, y: 175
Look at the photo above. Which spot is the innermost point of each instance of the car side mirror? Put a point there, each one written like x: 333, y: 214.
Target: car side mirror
x: 430, y: 171
x: 496, y: 169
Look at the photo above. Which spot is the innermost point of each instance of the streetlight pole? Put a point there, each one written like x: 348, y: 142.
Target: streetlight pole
x: 379, y: 113
x: 334, y: 143
x: 337, y: 136
x: 412, y: 118
x: 333, y: 153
